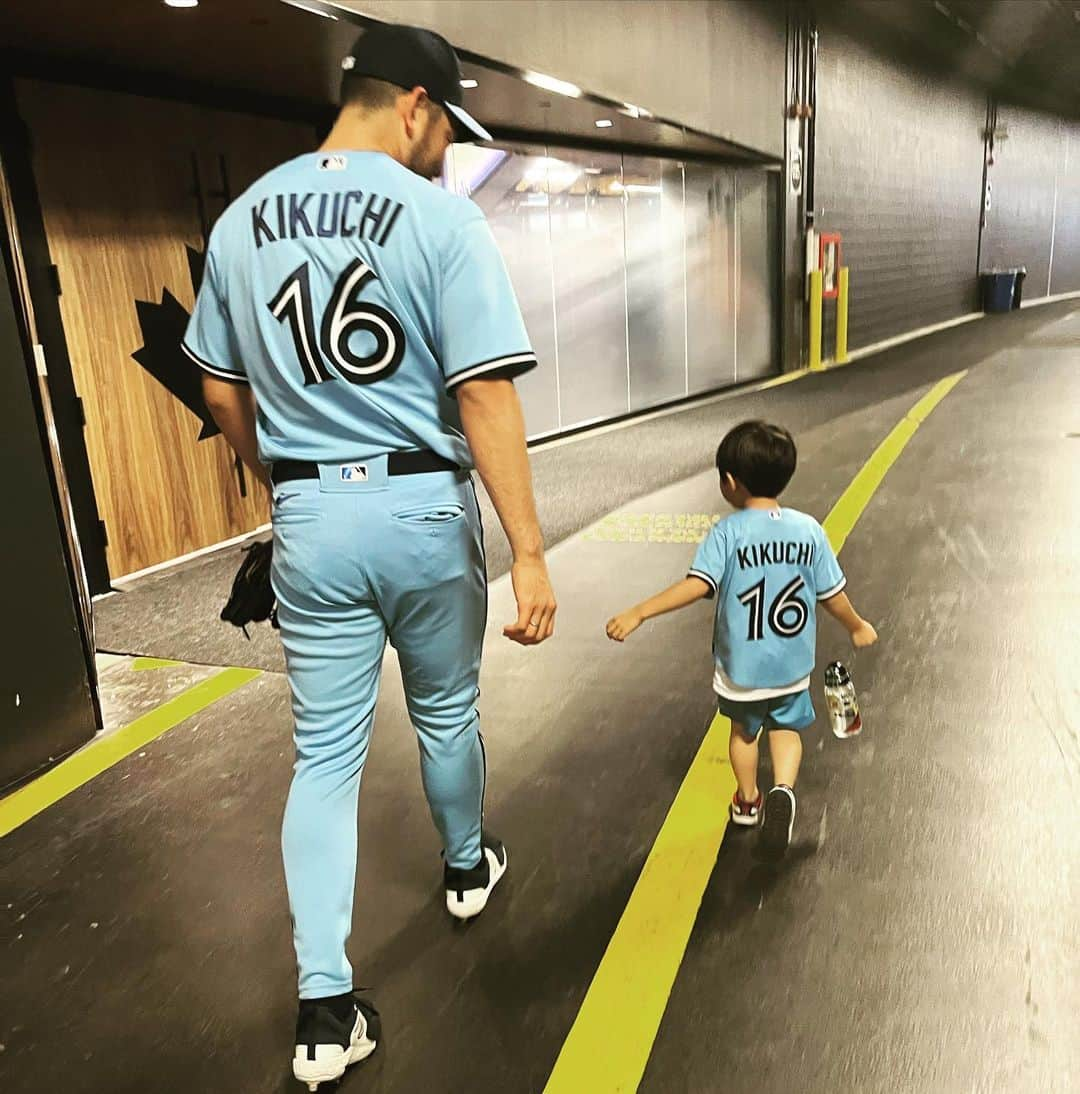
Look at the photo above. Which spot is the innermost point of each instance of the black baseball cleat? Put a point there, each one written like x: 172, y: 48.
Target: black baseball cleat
x: 467, y: 891
x: 331, y: 1034
x: 778, y: 821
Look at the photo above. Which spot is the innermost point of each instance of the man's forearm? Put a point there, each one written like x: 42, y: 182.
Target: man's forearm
x: 232, y: 407
x: 495, y: 429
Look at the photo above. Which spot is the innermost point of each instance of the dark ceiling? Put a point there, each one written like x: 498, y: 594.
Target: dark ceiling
x: 243, y: 48
x: 1022, y: 51
x: 287, y: 61
x: 273, y: 57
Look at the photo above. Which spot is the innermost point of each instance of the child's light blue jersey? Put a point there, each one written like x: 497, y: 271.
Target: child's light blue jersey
x: 361, y: 295
x: 768, y: 569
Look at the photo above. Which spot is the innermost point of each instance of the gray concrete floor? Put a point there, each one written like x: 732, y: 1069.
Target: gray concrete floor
x: 173, y: 614
x: 922, y: 932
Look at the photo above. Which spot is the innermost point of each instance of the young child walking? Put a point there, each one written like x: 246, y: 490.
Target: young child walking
x: 768, y: 567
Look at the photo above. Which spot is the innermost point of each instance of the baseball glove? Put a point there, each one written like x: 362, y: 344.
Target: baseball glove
x: 252, y: 598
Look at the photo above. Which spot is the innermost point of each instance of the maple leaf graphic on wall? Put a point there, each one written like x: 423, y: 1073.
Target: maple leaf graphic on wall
x: 163, y: 326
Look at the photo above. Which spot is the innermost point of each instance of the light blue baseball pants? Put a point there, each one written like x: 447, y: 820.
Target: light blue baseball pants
x: 356, y: 562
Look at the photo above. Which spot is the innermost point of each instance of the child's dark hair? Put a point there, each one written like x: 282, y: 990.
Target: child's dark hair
x: 761, y: 456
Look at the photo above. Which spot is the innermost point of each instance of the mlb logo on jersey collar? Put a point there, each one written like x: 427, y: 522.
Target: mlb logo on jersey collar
x: 354, y: 472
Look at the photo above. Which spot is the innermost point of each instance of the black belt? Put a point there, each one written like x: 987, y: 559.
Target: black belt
x: 398, y: 463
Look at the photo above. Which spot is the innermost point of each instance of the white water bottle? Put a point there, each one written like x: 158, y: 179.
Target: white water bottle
x: 844, y: 716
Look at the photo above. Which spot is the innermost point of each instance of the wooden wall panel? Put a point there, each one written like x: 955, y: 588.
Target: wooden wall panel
x: 116, y: 178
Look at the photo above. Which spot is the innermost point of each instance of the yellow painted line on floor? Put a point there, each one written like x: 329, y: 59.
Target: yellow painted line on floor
x: 853, y: 501
x: 149, y: 664
x: 98, y: 756
x: 611, y: 1039
x: 609, y: 1044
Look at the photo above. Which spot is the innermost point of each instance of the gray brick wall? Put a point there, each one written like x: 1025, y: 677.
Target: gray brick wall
x: 1023, y: 179
x: 899, y: 174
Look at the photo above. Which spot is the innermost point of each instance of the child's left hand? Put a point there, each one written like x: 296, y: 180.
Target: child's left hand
x: 624, y: 624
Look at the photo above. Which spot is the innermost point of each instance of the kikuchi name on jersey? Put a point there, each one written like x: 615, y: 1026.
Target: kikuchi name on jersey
x: 777, y: 553
x: 345, y: 215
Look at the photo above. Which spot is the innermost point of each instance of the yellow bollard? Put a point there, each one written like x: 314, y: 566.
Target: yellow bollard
x: 815, y: 319
x: 841, y: 318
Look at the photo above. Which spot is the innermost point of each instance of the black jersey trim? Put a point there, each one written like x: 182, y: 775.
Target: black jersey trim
x: 214, y: 370
x: 713, y: 587
x: 511, y: 364
x: 832, y: 592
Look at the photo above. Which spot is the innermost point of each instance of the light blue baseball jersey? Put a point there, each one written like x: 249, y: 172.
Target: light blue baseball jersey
x: 768, y: 569
x: 354, y: 296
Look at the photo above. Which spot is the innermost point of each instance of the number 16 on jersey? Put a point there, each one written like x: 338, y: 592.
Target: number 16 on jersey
x: 345, y: 315
x: 788, y: 614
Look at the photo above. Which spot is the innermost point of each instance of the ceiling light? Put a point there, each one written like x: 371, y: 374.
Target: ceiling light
x: 469, y: 83
x: 181, y: 3
x: 552, y: 174
x: 604, y: 123
x: 548, y: 163
x: 594, y: 170
x: 305, y: 7
x: 549, y: 83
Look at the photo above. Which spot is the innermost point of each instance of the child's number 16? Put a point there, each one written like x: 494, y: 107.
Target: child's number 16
x: 787, y: 616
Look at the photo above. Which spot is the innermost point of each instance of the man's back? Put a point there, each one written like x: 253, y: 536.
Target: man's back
x: 374, y: 318
x: 347, y: 290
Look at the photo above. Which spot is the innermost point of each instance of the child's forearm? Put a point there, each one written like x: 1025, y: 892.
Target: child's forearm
x: 840, y: 608
x: 686, y: 592
x: 678, y: 596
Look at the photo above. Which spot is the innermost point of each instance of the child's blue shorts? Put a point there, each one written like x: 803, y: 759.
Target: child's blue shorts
x: 795, y: 711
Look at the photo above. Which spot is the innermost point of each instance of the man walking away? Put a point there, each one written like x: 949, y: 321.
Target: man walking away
x: 359, y: 338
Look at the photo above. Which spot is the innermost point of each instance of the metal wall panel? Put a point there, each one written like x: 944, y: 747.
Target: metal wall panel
x: 639, y: 278
x: 1023, y: 177
x: 588, y: 248
x: 655, y: 280
x: 710, y: 276
x: 1065, y: 273
x: 756, y: 326
x: 497, y: 179
x: 899, y: 174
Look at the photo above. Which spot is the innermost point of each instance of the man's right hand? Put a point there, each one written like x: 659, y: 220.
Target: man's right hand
x: 535, y: 602
x: 495, y: 429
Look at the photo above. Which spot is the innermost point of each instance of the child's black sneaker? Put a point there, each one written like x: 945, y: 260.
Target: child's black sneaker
x: 467, y: 891
x: 331, y: 1034
x: 778, y: 821
x: 743, y: 813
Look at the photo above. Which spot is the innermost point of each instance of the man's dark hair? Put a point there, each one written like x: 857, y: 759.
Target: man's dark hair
x: 368, y: 93
x: 761, y: 456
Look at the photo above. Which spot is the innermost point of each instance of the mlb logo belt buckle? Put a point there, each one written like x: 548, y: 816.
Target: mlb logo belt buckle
x: 353, y: 472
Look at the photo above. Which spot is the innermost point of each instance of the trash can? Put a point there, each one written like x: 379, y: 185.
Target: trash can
x: 998, y: 287
x: 1018, y: 291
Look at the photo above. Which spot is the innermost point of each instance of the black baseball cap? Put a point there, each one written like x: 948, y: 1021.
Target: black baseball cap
x: 411, y: 57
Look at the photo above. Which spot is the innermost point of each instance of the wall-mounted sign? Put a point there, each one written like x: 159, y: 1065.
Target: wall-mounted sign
x: 829, y: 264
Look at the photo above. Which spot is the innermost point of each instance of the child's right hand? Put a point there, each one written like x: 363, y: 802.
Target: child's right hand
x: 863, y: 635
x: 624, y: 624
